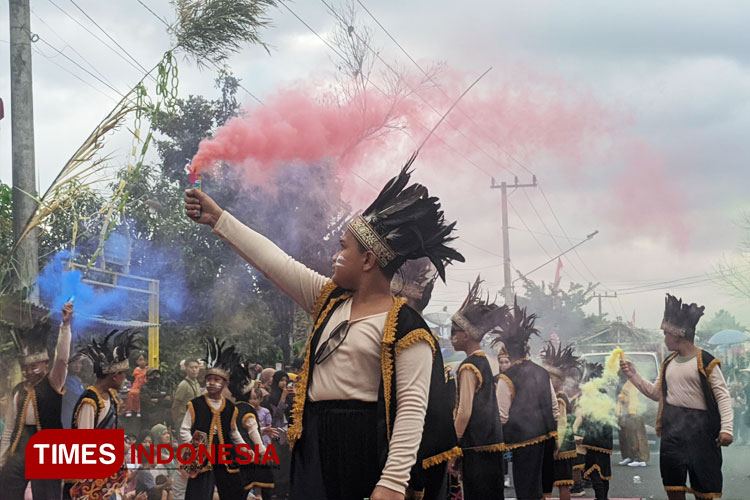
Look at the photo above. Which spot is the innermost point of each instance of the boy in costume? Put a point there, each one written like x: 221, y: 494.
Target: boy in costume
x: 695, y: 407
x: 478, y: 426
x: 528, y: 408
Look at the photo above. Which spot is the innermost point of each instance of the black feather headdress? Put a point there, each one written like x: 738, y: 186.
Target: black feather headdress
x: 31, y: 343
x: 592, y: 370
x: 680, y: 319
x: 415, y: 280
x: 561, y: 361
x: 405, y: 223
x: 112, y: 357
x: 220, y: 360
x: 241, y: 380
x: 478, y: 316
x: 516, y: 330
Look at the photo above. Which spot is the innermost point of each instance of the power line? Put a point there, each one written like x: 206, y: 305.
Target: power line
x: 81, y: 67
x: 85, y: 28
x: 68, y: 45
x: 143, y: 68
x: 154, y: 14
x: 40, y: 52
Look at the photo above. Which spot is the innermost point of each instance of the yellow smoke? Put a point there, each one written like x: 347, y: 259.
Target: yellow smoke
x: 595, y: 404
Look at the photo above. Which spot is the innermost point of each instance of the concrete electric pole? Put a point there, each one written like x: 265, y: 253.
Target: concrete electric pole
x: 503, y: 187
x: 22, y: 138
x: 605, y: 296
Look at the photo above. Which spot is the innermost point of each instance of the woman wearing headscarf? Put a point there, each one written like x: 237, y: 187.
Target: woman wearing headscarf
x: 279, y: 404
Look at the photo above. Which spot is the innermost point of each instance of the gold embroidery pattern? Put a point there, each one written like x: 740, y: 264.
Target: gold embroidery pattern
x: 539, y: 439
x: 475, y: 370
x: 191, y: 410
x: 465, y: 325
x: 454, y: 452
x: 21, y: 421
x: 386, y: 358
x: 565, y: 455
x: 564, y: 482
x: 710, y: 368
x: 487, y: 447
x: 298, y: 408
x: 323, y: 295
x: 413, y: 337
x: 596, y: 448
x: 115, y: 400
x: 704, y: 495
x: 593, y: 468
x: 372, y: 241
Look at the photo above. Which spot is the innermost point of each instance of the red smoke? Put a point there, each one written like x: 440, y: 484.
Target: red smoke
x: 535, y: 119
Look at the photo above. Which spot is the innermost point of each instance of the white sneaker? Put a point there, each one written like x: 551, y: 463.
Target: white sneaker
x: 625, y: 462
x: 637, y: 464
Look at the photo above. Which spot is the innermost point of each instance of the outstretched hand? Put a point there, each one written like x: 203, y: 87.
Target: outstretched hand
x: 196, y: 202
x: 67, y: 313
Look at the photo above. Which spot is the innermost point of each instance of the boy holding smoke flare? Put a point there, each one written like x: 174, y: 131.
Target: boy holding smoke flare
x: 695, y: 407
x: 562, y: 366
x: 528, y: 408
x: 372, y: 371
x: 36, y: 404
x: 477, y: 424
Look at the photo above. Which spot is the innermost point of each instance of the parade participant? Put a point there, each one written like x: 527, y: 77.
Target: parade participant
x: 528, y: 408
x: 478, y: 426
x: 503, y: 363
x: 562, y: 366
x: 35, y: 405
x: 370, y: 360
x: 98, y: 406
x: 695, y: 408
x: 73, y: 389
x: 242, y: 388
x: 633, y: 440
x: 415, y: 281
x: 214, y: 418
x: 590, y: 372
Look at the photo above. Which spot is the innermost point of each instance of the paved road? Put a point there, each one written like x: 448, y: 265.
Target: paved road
x: 736, y: 481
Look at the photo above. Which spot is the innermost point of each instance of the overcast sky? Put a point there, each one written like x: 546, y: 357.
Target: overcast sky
x: 671, y: 77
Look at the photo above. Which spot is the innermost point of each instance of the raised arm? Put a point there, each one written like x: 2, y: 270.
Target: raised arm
x: 62, y: 352
x: 300, y: 283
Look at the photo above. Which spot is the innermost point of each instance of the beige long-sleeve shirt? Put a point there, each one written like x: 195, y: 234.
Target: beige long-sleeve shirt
x: 250, y: 423
x: 684, y: 389
x: 354, y: 371
x: 56, y: 377
x: 468, y: 384
x: 505, y: 399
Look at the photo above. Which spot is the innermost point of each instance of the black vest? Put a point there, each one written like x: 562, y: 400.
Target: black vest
x: 203, y: 420
x: 44, y: 401
x: 530, y: 419
x: 92, y: 396
x: 484, y: 432
x: 403, y: 327
x: 706, y: 364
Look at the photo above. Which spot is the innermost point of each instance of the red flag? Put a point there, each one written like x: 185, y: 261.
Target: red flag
x: 557, y: 275
x: 633, y: 317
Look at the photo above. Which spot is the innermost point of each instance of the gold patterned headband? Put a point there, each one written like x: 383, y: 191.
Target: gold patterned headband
x: 465, y: 325
x: 119, y: 366
x: 218, y: 371
x: 34, y: 358
x: 409, y: 290
x: 372, y: 241
x: 672, y: 329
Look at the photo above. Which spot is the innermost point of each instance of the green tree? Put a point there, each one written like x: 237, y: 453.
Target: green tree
x: 6, y: 221
x: 721, y: 320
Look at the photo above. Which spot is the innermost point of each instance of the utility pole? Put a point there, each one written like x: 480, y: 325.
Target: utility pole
x: 22, y: 138
x: 503, y: 187
x: 605, y: 296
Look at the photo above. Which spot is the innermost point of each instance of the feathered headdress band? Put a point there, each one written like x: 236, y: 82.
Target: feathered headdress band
x: 405, y: 223
x: 112, y: 357
x: 680, y: 319
x: 220, y: 360
x: 477, y: 316
x: 560, y: 361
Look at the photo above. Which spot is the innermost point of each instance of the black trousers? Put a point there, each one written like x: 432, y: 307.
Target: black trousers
x: 227, y: 483
x: 482, y: 474
x: 533, y: 470
x: 13, y: 476
x: 337, y: 456
x: 688, y: 448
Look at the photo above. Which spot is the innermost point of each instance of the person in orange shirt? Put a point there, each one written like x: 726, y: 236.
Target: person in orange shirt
x: 133, y: 403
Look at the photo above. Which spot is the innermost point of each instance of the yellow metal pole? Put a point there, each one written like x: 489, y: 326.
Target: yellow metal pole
x: 153, y: 318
